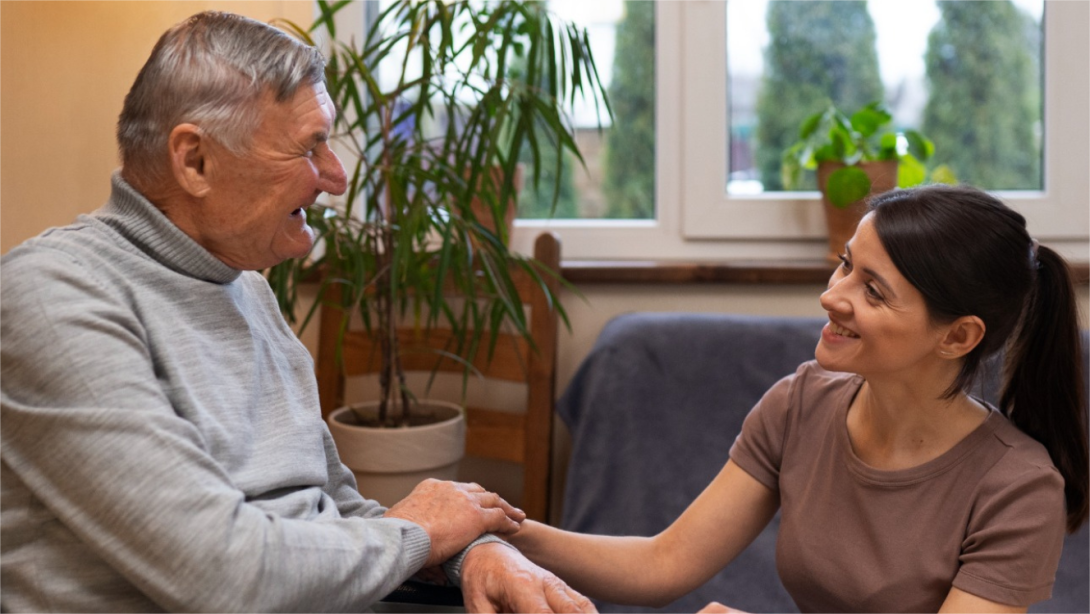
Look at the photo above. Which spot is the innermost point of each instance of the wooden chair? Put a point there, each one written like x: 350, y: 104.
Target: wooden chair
x: 524, y: 438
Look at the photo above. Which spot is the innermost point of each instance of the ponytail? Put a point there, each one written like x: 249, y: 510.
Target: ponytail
x: 1043, y: 391
x: 1023, y: 292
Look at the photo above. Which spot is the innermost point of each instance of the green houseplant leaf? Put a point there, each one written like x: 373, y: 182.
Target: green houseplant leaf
x: 910, y: 171
x: 944, y: 174
x: 442, y: 136
x: 847, y: 185
x: 869, y: 119
x: 864, y: 136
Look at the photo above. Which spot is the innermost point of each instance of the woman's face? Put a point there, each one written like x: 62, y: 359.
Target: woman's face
x: 878, y: 322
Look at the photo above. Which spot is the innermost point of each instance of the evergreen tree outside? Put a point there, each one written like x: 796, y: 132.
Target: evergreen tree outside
x: 819, y: 51
x: 629, y: 182
x: 984, y: 109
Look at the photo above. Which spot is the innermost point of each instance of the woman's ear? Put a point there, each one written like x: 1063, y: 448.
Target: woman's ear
x: 189, y: 158
x: 961, y: 336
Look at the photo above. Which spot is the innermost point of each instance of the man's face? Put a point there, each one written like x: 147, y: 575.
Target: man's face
x: 254, y: 215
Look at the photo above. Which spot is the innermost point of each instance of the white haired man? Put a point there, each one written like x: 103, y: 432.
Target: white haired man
x: 162, y: 443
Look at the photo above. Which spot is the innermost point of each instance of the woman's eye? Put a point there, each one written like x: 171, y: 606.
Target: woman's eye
x: 844, y: 262
x: 872, y: 292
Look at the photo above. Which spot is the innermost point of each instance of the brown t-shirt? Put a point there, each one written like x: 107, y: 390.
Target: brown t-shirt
x: 987, y: 516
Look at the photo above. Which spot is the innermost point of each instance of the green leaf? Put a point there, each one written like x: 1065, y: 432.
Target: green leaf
x: 887, y: 147
x: 843, y: 147
x: 790, y: 171
x: 944, y: 174
x: 869, y: 119
x: 825, y: 153
x: 846, y: 186
x: 910, y: 172
x: 809, y: 125
x: 919, y: 145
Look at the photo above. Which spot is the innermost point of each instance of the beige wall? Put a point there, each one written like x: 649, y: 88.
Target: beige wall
x: 65, y: 69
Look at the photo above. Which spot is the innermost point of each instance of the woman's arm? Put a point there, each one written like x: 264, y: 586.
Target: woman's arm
x: 960, y: 601
x: 718, y: 525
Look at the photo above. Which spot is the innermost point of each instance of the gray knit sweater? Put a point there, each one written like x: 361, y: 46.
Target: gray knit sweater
x: 162, y: 443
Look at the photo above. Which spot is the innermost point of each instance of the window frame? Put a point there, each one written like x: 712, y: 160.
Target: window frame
x: 698, y: 220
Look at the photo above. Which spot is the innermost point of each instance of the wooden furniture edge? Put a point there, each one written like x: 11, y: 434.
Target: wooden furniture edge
x: 794, y: 272
x: 725, y: 272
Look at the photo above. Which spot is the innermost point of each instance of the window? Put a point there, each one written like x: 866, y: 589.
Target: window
x: 619, y: 179
x: 1057, y: 211
x: 966, y: 74
x: 621, y: 36
x: 705, y: 208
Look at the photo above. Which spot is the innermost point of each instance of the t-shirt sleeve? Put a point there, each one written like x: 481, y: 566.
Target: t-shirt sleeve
x: 1013, y: 542
x: 758, y: 450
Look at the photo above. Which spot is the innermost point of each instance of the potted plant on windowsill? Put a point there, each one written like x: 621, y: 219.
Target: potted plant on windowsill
x: 435, y: 168
x: 856, y: 157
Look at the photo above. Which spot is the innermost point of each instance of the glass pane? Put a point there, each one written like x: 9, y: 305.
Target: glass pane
x: 966, y: 74
x: 619, y: 179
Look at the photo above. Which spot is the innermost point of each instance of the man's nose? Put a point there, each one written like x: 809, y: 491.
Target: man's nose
x: 334, y: 180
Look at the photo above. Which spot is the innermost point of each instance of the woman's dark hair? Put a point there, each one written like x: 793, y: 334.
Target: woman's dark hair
x: 969, y: 254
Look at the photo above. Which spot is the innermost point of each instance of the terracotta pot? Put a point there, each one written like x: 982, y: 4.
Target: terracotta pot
x: 389, y: 462
x: 842, y: 222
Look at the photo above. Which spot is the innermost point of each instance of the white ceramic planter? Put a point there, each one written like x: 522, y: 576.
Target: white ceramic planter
x: 389, y: 462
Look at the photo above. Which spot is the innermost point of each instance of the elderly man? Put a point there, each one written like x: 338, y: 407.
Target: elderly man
x: 162, y: 443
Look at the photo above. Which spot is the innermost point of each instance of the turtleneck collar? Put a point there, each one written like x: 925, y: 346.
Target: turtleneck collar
x: 141, y: 222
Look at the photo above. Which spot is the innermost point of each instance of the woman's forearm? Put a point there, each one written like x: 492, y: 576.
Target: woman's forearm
x: 718, y: 525
x: 624, y: 570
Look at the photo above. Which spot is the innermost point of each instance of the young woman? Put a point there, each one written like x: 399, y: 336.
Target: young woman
x: 899, y: 491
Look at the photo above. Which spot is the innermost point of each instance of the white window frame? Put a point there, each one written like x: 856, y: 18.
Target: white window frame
x: 698, y: 220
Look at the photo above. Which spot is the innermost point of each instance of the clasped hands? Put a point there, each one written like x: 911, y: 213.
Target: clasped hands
x: 495, y: 577
x: 454, y: 514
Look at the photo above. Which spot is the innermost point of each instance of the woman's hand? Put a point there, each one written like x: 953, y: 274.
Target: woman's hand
x: 716, y: 607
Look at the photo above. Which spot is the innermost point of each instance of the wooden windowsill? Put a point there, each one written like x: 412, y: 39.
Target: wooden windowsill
x: 728, y: 272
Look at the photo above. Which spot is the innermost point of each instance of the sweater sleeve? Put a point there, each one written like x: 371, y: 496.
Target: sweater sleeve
x: 90, y: 432
x: 341, y: 486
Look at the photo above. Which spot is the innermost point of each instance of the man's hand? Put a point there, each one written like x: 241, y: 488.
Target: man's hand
x: 497, y: 578
x: 454, y: 514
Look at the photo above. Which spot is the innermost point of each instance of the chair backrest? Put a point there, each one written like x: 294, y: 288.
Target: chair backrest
x: 519, y: 437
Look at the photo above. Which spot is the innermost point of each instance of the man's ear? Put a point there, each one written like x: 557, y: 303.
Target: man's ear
x: 961, y: 336
x: 189, y: 159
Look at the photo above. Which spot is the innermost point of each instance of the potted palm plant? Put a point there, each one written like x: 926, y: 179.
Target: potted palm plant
x: 436, y: 165
x: 856, y: 157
